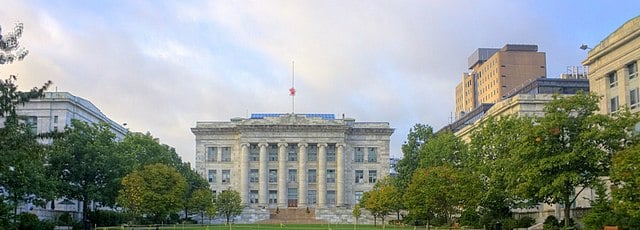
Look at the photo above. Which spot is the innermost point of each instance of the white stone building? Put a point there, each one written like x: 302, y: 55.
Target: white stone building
x: 293, y: 160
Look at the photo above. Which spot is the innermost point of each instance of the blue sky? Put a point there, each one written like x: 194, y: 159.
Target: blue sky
x: 160, y: 66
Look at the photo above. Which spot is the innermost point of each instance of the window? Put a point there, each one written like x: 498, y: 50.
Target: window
x: 212, y: 176
x: 212, y: 154
x: 273, y: 176
x: 312, y: 196
x: 372, y: 155
x: 254, y: 152
x: 357, y: 196
x: 226, y: 154
x: 292, y: 193
x: 273, y: 196
x: 33, y: 124
x: 292, y: 152
x: 55, y: 119
x: 311, y: 177
x: 633, y: 98
x: 312, y: 152
x: 331, y: 197
x: 273, y: 152
x: 613, y: 79
x: 358, y: 155
x: 632, y: 70
x: 253, y: 176
x: 226, y: 176
x: 613, y: 104
x: 373, y: 176
x: 331, y: 176
x: 293, y: 175
x: 253, y: 196
x: 331, y: 153
x: 359, y: 176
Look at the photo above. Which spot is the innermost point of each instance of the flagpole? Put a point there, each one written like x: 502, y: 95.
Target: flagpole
x: 292, y: 91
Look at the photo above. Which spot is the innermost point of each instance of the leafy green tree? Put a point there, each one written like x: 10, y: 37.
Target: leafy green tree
x: 202, y: 201
x: 83, y: 159
x: 418, y: 136
x: 625, y: 175
x: 157, y: 190
x: 357, y: 213
x: 601, y: 213
x: 10, y: 49
x: 444, y: 149
x: 229, y: 204
x: 569, y: 148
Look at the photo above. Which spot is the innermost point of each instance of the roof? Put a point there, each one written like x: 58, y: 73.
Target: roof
x: 323, y: 116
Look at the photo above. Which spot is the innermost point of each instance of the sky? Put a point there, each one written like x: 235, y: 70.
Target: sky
x: 161, y: 66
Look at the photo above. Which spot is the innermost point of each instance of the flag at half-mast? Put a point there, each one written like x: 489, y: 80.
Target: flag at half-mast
x: 292, y: 91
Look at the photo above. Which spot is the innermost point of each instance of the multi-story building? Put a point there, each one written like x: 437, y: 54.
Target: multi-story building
x: 293, y: 160
x: 613, y: 68
x: 496, y: 72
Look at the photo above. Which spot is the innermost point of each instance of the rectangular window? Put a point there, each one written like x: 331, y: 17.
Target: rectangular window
x: 331, y: 197
x: 273, y: 152
x: 358, y: 155
x: 331, y: 176
x: 292, y: 193
x: 311, y: 177
x: 373, y: 176
x: 212, y: 154
x: 357, y: 196
x: 55, y: 119
x: 293, y: 175
x: 633, y: 98
x: 253, y: 196
x: 613, y: 79
x: 331, y: 153
x: 632, y: 70
x: 273, y: 176
x: 359, y: 176
x: 254, y: 152
x: 613, y: 104
x: 32, y: 122
x: 226, y: 154
x: 292, y: 152
x: 273, y: 196
x: 226, y: 176
x: 253, y: 176
x: 372, y: 155
x: 212, y: 176
x: 312, y: 196
x: 312, y: 152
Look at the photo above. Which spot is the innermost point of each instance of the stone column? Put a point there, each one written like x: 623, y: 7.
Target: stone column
x: 340, y: 175
x: 263, y: 176
x: 282, y: 180
x: 322, y: 175
x: 302, y: 175
x: 244, y: 173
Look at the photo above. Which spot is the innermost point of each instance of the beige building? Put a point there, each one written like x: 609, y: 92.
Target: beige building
x: 293, y: 160
x: 613, y: 68
x: 497, y: 72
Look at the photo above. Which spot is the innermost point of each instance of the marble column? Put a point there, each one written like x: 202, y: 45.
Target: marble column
x: 302, y: 175
x: 340, y: 175
x: 322, y: 175
x: 244, y: 173
x: 282, y: 175
x: 263, y: 176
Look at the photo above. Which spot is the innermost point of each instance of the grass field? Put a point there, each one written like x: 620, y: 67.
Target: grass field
x: 271, y: 227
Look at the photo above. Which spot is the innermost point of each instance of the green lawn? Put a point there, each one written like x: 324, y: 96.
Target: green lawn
x: 271, y: 227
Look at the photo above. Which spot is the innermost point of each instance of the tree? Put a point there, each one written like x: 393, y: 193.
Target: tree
x: 418, y: 136
x: 10, y: 49
x: 569, y: 147
x: 157, y: 191
x: 202, y: 201
x: 444, y: 149
x: 626, y: 179
x: 84, y: 160
x: 356, y: 214
x: 229, y: 204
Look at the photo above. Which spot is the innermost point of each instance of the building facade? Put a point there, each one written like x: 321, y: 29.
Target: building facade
x: 293, y: 160
x: 495, y: 73
x: 613, y: 68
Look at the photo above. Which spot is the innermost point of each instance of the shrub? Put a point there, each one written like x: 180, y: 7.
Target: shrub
x: 470, y: 218
x: 525, y: 222
x: 104, y: 218
x: 65, y: 219
x: 29, y: 221
x: 551, y: 223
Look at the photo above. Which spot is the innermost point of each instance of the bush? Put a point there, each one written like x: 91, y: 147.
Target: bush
x: 525, y: 222
x: 551, y: 223
x: 29, y: 221
x: 104, y: 218
x: 65, y: 219
x: 470, y: 218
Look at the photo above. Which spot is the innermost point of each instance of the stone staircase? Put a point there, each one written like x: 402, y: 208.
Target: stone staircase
x: 292, y: 216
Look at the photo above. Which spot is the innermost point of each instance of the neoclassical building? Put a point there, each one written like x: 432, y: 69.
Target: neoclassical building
x: 293, y: 160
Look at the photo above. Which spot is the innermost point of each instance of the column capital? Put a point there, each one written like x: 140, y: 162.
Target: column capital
x: 263, y: 144
x: 324, y: 145
x: 341, y: 145
x: 283, y: 145
x: 244, y: 144
x: 303, y: 145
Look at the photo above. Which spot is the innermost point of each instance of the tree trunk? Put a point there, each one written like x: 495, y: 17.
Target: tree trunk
x: 85, y: 219
x: 15, y: 208
x: 567, y: 209
x: 374, y: 220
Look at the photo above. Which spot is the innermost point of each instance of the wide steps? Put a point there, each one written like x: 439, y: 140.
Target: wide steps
x: 292, y: 216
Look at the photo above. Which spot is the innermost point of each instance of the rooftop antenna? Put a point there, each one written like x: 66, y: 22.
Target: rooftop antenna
x: 292, y: 90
